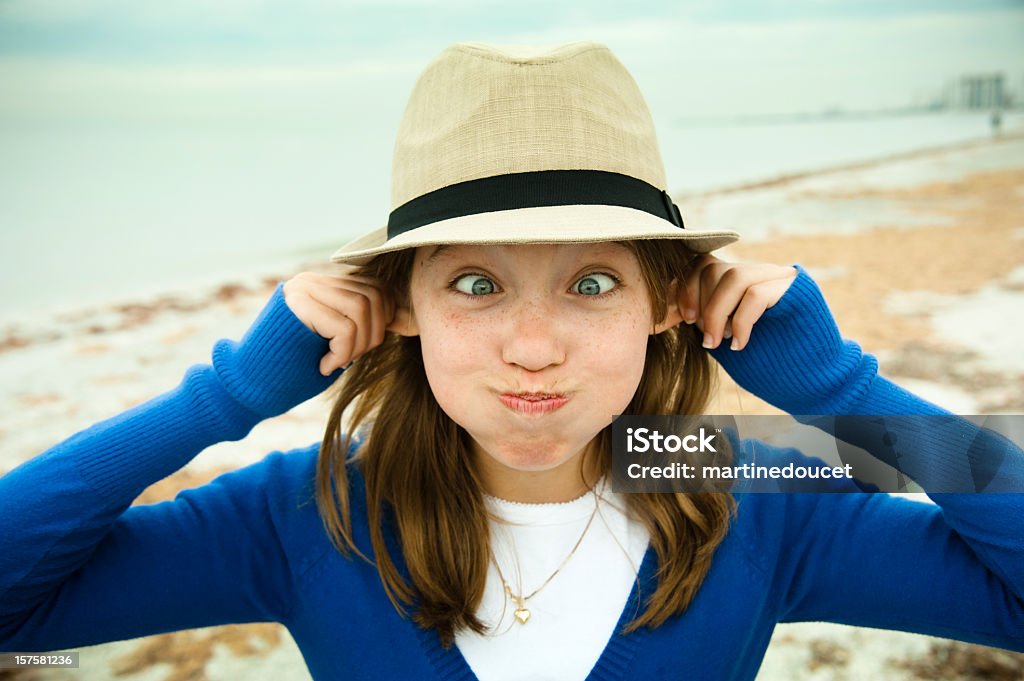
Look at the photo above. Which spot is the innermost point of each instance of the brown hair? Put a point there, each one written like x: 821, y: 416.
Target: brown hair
x: 414, y: 463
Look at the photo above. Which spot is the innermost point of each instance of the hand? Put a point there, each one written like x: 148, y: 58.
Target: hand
x: 351, y: 311
x: 725, y: 299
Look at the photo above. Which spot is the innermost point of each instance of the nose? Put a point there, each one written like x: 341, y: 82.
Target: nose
x: 534, y: 335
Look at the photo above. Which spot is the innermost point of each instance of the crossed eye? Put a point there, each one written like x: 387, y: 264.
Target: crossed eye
x: 475, y: 285
x: 594, y: 284
x: 590, y: 285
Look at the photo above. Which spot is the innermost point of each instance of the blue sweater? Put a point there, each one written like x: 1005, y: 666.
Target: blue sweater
x: 80, y: 566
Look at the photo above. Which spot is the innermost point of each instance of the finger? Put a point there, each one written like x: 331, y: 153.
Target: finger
x: 375, y: 310
x: 332, y: 325
x: 690, y: 290
x: 336, y: 279
x: 766, y: 284
x: 344, y: 345
x: 348, y: 280
x: 321, y: 319
x: 315, y: 299
x: 722, y: 285
x: 732, y: 285
x: 379, y: 308
x: 340, y: 355
x: 329, y: 363
x: 354, y: 306
x: 755, y: 301
x: 781, y: 283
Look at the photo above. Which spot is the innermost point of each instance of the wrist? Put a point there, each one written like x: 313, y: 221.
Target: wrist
x: 276, y: 364
x: 796, y: 358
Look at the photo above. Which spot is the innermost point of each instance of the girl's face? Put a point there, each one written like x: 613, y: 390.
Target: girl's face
x: 532, y: 350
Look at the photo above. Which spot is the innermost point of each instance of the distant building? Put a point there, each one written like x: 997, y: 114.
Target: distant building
x: 983, y: 91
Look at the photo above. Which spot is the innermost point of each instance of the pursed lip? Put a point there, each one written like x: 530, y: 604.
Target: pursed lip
x: 530, y: 402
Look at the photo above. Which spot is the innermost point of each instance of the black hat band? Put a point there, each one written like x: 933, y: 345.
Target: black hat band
x: 533, y: 190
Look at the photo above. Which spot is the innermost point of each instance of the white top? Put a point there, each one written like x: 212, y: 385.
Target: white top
x: 572, y: 618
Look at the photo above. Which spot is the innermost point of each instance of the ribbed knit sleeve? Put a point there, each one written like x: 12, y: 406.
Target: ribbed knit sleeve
x: 63, y: 508
x: 796, y: 358
x: 954, y: 569
x: 797, y: 361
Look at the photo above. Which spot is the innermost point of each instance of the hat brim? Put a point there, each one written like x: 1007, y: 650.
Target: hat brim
x: 537, y: 225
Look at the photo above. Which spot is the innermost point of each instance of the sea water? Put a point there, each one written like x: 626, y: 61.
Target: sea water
x: 98, y: 211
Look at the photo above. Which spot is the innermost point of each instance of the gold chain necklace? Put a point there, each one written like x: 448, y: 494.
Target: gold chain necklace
x: 521, y: 613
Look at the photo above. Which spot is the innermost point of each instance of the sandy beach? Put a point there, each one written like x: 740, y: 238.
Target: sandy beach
x: 921, y: 259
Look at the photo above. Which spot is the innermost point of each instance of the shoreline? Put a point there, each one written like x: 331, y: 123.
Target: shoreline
x: 787, y: 219
x: 14, y: 327
x: 865, y: 164
x: 925, y: 283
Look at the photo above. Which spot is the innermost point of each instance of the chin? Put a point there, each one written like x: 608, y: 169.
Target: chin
x: 531, y: 456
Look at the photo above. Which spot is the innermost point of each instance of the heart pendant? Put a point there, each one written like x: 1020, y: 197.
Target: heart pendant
x: 523, y: 615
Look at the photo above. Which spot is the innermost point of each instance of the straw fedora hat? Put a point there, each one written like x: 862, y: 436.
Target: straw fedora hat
x: 508, y: 145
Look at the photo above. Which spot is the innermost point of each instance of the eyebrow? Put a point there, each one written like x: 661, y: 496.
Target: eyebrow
x: 615, y: 243
x: 438, y: 252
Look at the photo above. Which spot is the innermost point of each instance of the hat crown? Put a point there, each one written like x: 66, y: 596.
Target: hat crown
x: 484, y: 110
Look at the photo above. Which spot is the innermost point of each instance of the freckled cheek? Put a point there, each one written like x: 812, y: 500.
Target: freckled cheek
x: 453, y: 349
x: 621, y: 334
x: 619, y: 350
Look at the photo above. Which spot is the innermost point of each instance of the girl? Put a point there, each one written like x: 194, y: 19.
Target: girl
x: 534, y: 280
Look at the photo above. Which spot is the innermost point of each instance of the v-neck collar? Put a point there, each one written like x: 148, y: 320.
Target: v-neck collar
x: 450, y: 665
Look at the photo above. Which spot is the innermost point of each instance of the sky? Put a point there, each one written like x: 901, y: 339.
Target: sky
x: 133, y: 131
x: 196, y: 58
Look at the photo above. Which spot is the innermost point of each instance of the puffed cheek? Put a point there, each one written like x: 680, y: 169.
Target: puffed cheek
x: 625, y: 361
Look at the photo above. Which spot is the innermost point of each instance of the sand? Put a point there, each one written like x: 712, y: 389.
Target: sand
x: 937, y: 300
x: 920, y: 257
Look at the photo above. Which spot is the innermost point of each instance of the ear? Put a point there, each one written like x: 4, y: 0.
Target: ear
x: 673, y: 315
x: 404, y: 323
